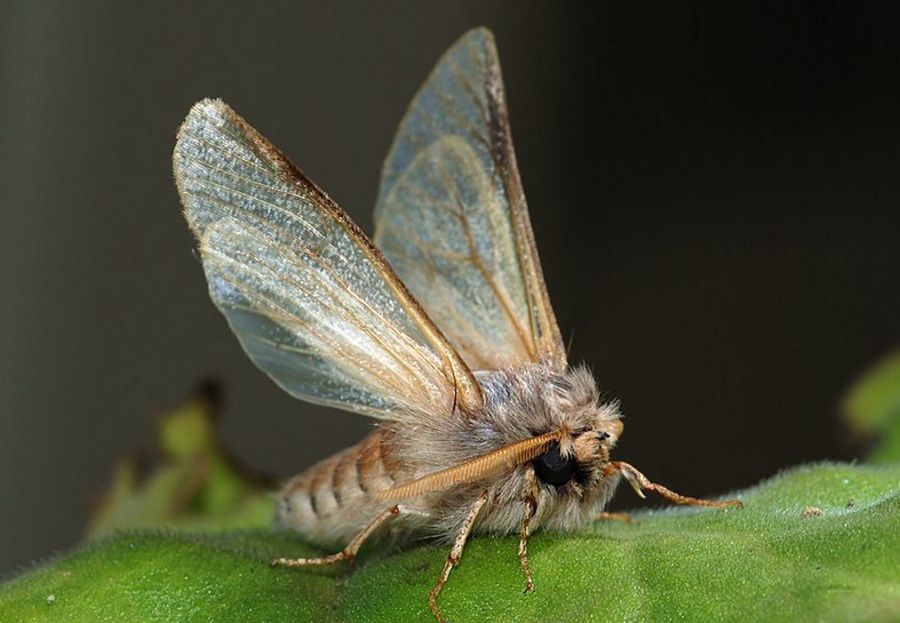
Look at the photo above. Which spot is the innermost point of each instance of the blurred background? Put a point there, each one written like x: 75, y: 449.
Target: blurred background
x: 714, y: 194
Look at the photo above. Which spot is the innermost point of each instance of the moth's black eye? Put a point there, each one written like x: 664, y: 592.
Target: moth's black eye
x: 553, y: 468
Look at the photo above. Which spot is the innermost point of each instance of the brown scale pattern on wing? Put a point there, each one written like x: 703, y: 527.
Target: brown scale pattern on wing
x: 334, y: 497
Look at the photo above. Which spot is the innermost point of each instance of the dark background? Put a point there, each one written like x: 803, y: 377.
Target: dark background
x: 714, y: 193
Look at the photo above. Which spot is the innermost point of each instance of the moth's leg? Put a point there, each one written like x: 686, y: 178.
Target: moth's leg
x: 607, y: 516
x: 639, y: 482
x: 530, y: 502
x: 459, y: 542
x: 349, y: 552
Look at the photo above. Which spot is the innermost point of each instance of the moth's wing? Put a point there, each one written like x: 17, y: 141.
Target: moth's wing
x: 313, y: 303
x: 451, y: 215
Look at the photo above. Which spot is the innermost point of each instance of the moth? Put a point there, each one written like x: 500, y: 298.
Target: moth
x: 440, y: 327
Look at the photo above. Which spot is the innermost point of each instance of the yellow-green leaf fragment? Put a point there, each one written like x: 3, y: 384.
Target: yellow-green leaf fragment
x: 192, y: 484
x: 872, y: 408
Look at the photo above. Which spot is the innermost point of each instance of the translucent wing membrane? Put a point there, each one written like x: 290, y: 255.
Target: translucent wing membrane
x: 452, y: 219
x: 313, y: 303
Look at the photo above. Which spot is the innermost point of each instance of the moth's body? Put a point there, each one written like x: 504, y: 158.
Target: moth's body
x: 335, y: 499
x: 440, y: 327
x: 332, y: 500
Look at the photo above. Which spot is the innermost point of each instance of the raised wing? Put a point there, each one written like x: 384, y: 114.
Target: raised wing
x: 452, y: 220
x: 313, y: 303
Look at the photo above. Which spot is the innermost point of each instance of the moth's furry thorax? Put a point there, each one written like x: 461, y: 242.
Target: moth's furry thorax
x: 522, y: 403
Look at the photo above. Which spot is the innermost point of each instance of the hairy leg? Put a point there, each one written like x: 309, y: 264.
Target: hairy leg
x: 530, y: 503
x: 607, y: 516
x: 459, y: 542
x: 639, y: 482
x: 349, y: 552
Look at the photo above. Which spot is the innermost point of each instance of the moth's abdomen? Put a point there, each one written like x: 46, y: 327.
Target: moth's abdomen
x: 333, y: 499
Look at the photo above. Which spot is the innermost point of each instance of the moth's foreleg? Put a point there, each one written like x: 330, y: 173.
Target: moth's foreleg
x: 639, y: 482
x: 459, y: 542
x: 530, y: 502
x: 349, y: 552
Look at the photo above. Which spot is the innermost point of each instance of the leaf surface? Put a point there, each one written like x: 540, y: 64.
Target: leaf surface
x: 817, y: 543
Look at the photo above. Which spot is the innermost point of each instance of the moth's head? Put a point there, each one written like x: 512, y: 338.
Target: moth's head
x: 576, y: 462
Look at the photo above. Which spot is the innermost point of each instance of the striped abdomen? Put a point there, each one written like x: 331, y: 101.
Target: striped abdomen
x: 333, y: 499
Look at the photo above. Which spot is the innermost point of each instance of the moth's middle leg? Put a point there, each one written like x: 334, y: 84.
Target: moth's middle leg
x: 530, y: 503
x: 459, y: 542
x: 349, y: 552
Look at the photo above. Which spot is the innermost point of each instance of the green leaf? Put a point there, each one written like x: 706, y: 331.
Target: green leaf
x: 817, y: 543
x: 872, y: 408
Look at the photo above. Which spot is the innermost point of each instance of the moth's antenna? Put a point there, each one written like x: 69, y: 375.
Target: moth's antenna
x: 478, y: 468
